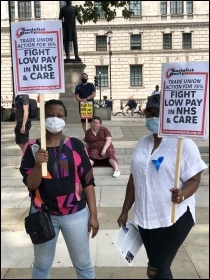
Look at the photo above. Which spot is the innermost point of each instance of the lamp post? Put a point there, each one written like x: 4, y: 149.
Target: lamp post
x: 10, y: 19
x: 109, y: 35
x: 99, y: 75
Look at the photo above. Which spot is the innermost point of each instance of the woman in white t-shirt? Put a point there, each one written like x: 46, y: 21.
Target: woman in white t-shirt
x: 150, y: 186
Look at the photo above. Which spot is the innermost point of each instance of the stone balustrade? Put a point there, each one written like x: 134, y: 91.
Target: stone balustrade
x: 7, y: 103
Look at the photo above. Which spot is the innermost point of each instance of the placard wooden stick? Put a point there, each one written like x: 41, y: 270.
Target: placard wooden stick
x: 177, y: 175
x: 43, y: 131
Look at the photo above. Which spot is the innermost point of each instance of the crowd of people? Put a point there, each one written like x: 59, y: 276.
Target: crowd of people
x: 69, y: 196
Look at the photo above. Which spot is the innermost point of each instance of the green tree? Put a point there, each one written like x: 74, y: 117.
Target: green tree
x: 90, y: 12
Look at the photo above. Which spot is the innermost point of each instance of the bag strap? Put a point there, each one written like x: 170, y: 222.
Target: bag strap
x: 55, y: 169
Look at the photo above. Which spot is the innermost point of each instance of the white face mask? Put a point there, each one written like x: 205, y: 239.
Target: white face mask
x: 152, y: 124
x: 54, y: 124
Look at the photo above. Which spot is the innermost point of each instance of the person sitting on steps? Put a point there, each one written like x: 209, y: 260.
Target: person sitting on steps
x: 99, y: 146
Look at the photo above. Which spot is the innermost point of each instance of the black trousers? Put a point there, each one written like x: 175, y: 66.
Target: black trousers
x: 162, y: 244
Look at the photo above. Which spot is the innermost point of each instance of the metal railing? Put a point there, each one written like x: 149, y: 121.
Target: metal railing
x: 7, y: 103
x: 118, y: 104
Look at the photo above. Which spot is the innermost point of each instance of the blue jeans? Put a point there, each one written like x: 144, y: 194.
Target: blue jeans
x: 74, y: 228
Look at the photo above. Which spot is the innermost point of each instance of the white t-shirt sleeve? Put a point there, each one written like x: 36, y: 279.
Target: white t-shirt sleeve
x: 192, y: 162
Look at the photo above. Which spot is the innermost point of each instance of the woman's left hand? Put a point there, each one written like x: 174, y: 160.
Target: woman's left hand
x: 177, y: 195
x: 93, y: 225
x: 103, y: 152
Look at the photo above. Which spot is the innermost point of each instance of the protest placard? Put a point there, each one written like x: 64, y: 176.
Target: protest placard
x: 184, y: 106
x: 38, y: 66
x: 37, y: 53
x: 86, y: 110
x: 184, y: 99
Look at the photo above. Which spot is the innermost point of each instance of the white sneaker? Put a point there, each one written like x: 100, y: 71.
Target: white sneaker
x: 116, y: 173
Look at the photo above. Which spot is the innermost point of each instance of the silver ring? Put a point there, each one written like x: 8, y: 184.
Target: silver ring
x: 177, y: 197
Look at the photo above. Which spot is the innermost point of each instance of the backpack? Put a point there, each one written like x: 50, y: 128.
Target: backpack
x: 33, y: 111
x: 132, y: 103
x: 108, y: 103
x: 12, y: 117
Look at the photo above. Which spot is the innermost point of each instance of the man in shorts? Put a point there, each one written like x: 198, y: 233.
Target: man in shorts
x: 130, y: 105
x: 85, y: 92
x: 23, y: 123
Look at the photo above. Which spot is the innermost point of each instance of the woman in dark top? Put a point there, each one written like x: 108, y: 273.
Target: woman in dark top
x: 64, y: 195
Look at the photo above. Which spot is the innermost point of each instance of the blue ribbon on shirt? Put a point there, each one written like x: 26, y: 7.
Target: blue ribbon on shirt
x: 157, y: 162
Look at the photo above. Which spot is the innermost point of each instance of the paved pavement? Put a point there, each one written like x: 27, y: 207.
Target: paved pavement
x: 191, y: 262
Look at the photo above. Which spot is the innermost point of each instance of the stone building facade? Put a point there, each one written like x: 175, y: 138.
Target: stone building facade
x: 160, y: 32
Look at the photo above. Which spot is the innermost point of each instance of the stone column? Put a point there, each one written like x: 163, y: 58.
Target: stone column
x: 72, y: 73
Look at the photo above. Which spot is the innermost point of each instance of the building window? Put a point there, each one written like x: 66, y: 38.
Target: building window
x: 24, y: 9
x: 101, y: 43
x: 189, y: 7
x: 135, y: 42
x: 135, y: 7
x: 186, y: 40
x: 99, y: 8
x: 136, y: 75
x: 176, y: 7
x: 167, y: 41
x: 163, y: 7
x: 12, y: 9
x: 37, y: 9
x: 104, y: 75
x: 62, y: 3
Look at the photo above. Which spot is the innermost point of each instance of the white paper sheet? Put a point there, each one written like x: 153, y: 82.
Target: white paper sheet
x: 128, y: 242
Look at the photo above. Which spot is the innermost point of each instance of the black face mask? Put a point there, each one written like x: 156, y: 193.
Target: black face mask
x: 84, y: 81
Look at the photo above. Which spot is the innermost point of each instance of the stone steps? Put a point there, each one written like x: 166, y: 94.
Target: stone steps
x: 13, y: 171
x: 11, y: 158
x: 14, y: 160
x: 127, y: 149
x: 103, y: 180
x: 123, y: 179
